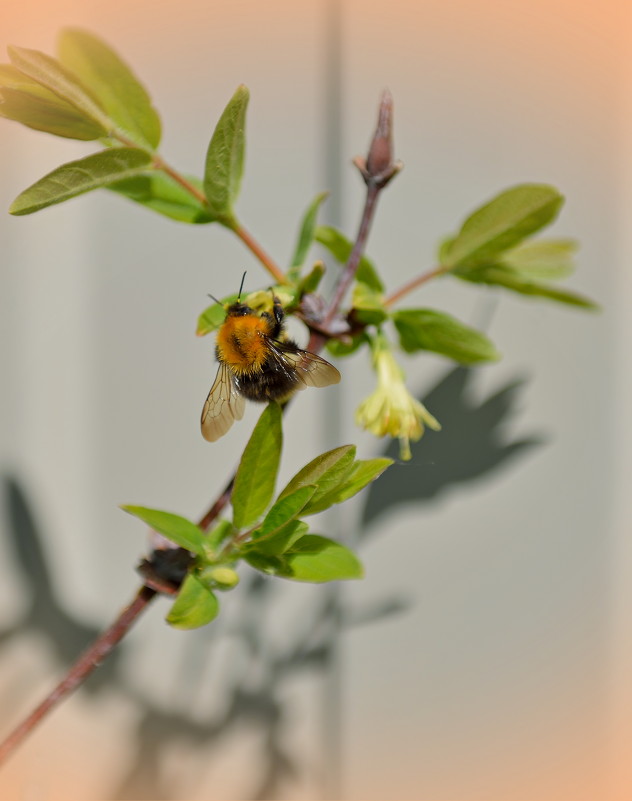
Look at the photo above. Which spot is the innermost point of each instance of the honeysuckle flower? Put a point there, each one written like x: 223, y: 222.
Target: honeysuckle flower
x: 391, y: 410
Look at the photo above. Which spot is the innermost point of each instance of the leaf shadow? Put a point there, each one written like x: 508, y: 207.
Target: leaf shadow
x: 471, y: 445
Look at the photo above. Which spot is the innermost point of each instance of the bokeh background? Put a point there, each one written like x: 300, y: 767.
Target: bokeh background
x: 487, y: 653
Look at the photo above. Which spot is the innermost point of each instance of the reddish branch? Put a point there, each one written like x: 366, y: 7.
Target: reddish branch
x: 414, y: 283
x: 82, y: 668
x: 377, y: 169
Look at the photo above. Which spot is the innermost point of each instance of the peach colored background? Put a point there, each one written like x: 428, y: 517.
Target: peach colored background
x: 487, y: 93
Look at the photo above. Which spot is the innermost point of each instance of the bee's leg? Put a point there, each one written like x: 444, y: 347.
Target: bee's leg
x: 279, y: 315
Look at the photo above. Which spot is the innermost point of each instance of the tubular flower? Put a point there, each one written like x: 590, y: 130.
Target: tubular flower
x: 391, y: 410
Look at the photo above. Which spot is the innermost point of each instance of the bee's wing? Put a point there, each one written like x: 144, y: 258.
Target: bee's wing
x: 223, y: 406
x: 310, y: 369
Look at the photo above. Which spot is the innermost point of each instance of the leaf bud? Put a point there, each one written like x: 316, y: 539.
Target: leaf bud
x: 379, y: 166
x: 222, y: 578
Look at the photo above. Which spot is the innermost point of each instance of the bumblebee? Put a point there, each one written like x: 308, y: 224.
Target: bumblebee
x: 258, y: 362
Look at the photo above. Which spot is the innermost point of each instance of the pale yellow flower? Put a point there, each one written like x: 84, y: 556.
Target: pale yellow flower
x: 391, y: 410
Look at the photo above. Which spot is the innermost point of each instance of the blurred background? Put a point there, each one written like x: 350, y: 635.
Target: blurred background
x: 487, y: 653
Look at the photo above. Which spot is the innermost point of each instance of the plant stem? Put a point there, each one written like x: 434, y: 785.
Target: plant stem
x: 233, y: 225
x: 346, y: 277
x: 414, y: 283
x: 377, y: 170
x: 82, y: 668
x: 160, y: 164
x: 237, y: 228
x: 218, y: 506
x: 255, y: 248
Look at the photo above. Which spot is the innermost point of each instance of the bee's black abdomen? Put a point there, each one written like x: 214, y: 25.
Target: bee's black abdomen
x: 273, y: 382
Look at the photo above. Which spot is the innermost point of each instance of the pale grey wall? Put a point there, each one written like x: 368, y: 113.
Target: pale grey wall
x: 495, y: 681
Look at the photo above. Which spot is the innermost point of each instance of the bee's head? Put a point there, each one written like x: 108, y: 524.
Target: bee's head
x: 238, y: 309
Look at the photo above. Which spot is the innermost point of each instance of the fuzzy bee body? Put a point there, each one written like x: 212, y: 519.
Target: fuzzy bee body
x: 259, y: 363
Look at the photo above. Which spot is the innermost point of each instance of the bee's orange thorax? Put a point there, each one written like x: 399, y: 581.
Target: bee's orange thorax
x: 241, y: 343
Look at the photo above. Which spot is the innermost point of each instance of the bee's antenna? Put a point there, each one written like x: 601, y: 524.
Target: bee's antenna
x: 241, y: 286
x: 212, y: 297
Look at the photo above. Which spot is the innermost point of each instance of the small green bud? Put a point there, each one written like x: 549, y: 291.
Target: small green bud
x: 223, y: 578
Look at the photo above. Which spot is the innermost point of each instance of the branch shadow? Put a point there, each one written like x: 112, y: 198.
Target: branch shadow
x: 64, y: 634
x: 472, y: 446
x: 251, y: 703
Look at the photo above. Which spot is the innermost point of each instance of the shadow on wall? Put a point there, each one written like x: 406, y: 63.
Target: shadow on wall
x: 471, y: 446
x: 45, y: 617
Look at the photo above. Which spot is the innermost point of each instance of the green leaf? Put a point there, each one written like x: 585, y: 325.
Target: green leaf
x: 306, y: 236
x: 362, y: 473
x: 427, y: 329
x: 213, y: 316
x: 326, y: 471
x: 50, y: 73
x: 175, y: 528
x: 277, y: 542
x: 50, y: 117
x: 13, y: 78
x: 162, y: 194
x: 113, y: 84
x: 257, y: 471
x: 195, y: 606
x: 318, y: 559
x: 77, y: 177
x: 261, y: 299
x: 340, y: 248
x: 501, y: 275
x: 225, y: 158
x: 26, y: 101
x: 284, y: 510
x: 444, y: 248
x: 313, y: 558
x: 344, y: 347
x: 266, y: 563
x: 221, y: 532
x: 368, y: 305
x: 310, y: 282
x: 542, y: 260
x: 502, y: 223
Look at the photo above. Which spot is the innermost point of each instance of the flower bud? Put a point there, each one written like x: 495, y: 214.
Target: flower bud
x: 380, y: 155
x: 220, y: 578
x: 379, y: 166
